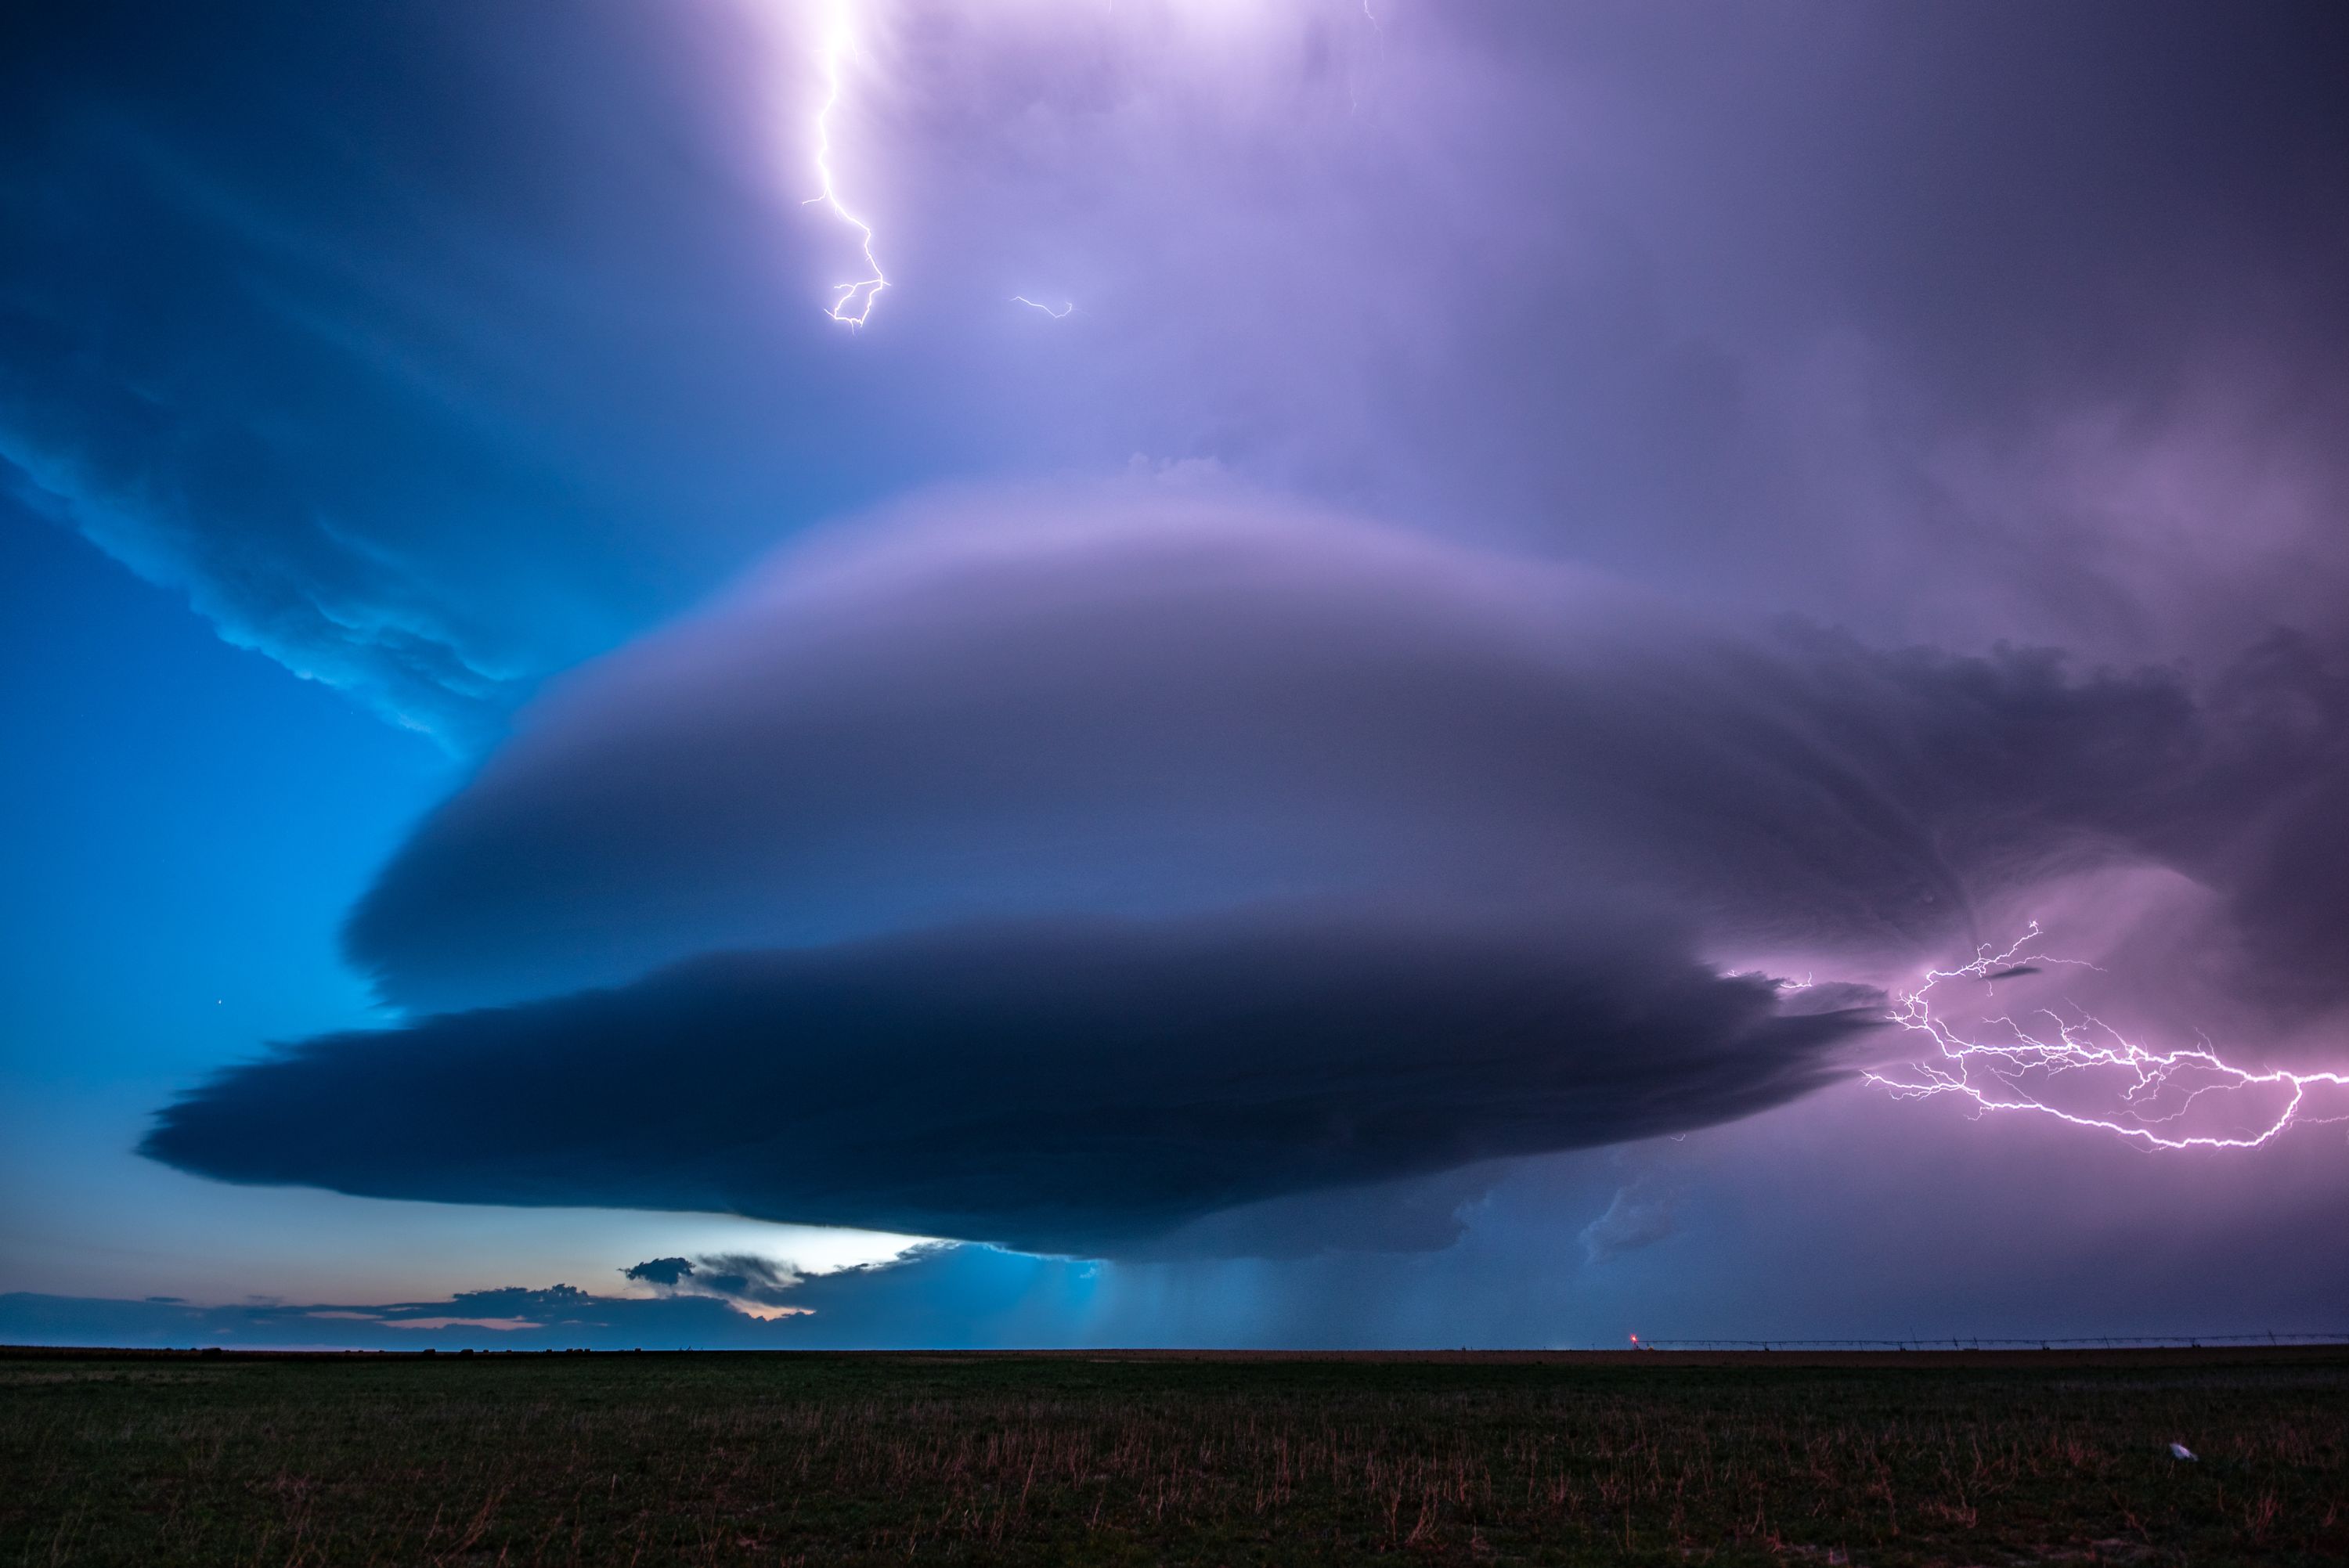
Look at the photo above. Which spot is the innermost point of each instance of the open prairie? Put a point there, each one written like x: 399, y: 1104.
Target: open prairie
x: 1162, y: 1456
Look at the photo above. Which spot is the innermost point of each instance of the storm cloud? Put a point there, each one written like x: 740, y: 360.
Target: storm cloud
x: 1060, y: 1089
x: 1062, y: 872
x: 1785, y: 492
x: 429, y: 351
x: 1137, y: 704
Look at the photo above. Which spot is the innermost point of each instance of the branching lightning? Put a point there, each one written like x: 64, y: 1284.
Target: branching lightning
x: 2155, y: 1091
x: 851, y: 302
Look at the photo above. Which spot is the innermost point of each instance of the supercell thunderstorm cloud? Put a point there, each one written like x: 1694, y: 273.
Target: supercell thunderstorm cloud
x: 1604, y: 658
x: 1095, y: 863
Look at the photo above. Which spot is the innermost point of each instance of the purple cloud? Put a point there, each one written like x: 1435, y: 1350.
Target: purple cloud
x: 1066, y: 872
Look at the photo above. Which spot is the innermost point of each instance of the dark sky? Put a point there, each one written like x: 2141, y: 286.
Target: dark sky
x: 1344, y: 720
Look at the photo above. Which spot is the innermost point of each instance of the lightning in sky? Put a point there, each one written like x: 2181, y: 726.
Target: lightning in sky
x: 2153, y: 1091
x: 851, y: 302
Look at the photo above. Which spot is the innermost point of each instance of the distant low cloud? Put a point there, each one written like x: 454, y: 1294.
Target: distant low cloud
x: 737, y: 1277
x: 937, y: 1295
x: 666, y: 1271
x: 765, y: 1287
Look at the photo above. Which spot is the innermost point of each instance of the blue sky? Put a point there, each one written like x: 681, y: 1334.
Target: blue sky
x: 188, y: 860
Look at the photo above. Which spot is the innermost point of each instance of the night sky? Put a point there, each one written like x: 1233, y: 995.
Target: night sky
x: 1198, y: 672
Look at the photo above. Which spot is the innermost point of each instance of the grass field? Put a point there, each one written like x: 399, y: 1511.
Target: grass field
x: 1101, y: 1457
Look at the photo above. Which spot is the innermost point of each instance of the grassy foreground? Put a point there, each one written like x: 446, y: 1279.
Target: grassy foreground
x: 1147, y: 1459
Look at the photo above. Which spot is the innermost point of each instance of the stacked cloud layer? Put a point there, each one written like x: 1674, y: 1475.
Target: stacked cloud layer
x: 1061, y: 870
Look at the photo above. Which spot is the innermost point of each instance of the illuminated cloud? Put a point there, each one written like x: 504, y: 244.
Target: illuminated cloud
x: 435, y: 351
x: 528, y: 351
x: 1066, y: 870
x: 1140, y: 702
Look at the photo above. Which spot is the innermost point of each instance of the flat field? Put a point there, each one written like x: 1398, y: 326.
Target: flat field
x: 1105, y: 1457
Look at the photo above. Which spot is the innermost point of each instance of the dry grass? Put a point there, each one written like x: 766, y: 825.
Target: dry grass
x: 834, y: 1459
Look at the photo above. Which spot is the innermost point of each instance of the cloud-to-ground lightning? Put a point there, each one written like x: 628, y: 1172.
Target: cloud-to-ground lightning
x: 851, y: 302
x: 1047, y: 310
x: 2155, y: 1091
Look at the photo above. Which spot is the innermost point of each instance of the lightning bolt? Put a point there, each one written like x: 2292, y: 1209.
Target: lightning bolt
x: 851, y: 304
x: 2156, y: 1090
